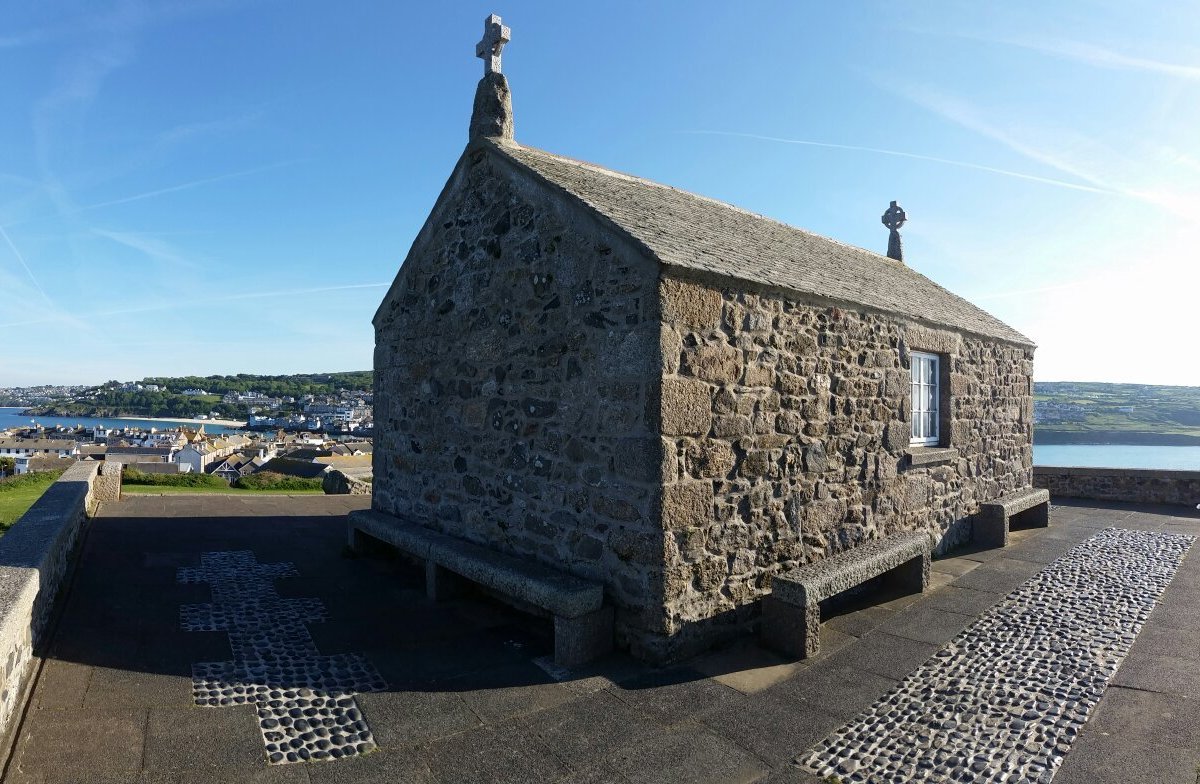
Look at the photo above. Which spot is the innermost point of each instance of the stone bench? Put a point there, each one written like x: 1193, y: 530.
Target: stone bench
x: 583, y: 626
x: 791, y: 618
x: 1030, y: 508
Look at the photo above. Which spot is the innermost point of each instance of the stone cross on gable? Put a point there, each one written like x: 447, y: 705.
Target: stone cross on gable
x: 495, y: 36
x: 894, y: 217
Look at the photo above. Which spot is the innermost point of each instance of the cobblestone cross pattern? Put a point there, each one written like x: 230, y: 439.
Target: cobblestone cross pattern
x: 305, y: 700
x: 1006, y: 698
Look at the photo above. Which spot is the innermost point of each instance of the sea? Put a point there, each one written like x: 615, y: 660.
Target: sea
x: 15, y: 417
x: 1177, y: 458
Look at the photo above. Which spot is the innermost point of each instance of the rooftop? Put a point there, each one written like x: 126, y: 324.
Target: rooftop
x: 691, y: 232
x: 463, y: 691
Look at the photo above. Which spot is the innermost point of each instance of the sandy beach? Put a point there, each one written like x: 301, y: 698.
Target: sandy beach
x: 222, y: 422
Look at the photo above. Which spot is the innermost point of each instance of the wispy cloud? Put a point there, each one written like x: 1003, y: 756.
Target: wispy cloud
x: 21, y: 258
x: 148, y: 246
x: 186, y: 185
x: 158, y: 307
x: 913, y: 156
x: 1091, y: 54
x: 28, y: 38
x: 1068, y: 152
x: 963, y: 113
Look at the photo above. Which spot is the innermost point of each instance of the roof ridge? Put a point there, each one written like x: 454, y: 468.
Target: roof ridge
x: 684, y: 230
x: 727, y: 205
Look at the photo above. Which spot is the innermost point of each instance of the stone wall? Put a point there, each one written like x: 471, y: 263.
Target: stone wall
x: 785, y: 429
x: 34, y: 557
x: 516, y: 356
x: 1135, y: 485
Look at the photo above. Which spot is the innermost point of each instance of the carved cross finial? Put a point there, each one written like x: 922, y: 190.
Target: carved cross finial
x: 894, y: 217
x: 495, y: 36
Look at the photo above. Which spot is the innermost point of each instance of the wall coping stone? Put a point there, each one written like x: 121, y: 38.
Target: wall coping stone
x: 1141, y: 473
x: 34, y: 558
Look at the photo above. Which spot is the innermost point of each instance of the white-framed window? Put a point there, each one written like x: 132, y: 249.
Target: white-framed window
x: 925, y: 397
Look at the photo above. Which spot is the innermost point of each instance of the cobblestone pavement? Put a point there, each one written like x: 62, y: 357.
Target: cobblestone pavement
x: 305, y: 701
x: 1007, y: 697
x: 465, y: 700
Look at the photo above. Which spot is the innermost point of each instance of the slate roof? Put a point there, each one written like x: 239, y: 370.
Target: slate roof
x: 52, y: 444
x: 693, y: 232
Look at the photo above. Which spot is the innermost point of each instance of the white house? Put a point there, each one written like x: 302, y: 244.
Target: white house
x: 38, y: 447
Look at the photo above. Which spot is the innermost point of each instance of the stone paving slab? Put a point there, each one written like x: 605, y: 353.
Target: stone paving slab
x: 467, y: 699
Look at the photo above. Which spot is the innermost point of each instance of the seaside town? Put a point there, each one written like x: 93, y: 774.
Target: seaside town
x: 304, y: 437
x: 670, y: 458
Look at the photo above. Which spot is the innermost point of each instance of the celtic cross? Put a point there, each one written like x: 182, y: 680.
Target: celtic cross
x: 495, y: 36
x: 894, y: 218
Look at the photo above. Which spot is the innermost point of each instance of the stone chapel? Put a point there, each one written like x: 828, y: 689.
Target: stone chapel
x: 673, y: 397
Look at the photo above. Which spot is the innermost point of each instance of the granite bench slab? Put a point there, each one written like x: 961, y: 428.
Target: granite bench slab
x: 583, y: 626
x: 994, y: 519
x: 791, y: 621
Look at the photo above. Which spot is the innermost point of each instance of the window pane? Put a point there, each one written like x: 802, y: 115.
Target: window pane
x: 929, y: 365
x: 930, y: 399
x: 930, y: 425
x: 916, y: 398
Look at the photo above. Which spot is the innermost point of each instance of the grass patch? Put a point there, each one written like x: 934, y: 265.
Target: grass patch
x: 132, y: 477
x: 225, y: 490
x: 18, y: 493
x: 270, y: 480
x: 135, y: 482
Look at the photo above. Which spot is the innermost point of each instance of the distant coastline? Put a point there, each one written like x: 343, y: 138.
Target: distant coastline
x: 34, y: 413
x: 19, y: 417
x: 1044, y: 435
x: 221, y: 422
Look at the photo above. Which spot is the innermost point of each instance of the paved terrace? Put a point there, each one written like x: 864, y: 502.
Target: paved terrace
x: 465, y: 699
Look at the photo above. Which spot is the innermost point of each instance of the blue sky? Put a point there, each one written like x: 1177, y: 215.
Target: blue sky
x: 229, y: 186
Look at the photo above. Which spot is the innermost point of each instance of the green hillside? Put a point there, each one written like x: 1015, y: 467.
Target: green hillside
x: 1093, y: 412
x: 110, y: 400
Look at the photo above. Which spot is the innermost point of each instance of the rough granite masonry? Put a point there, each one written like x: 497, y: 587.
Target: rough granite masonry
x: 672, y: 396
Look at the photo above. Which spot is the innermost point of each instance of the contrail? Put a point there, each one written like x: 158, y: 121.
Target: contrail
x: 21, y: 259
x: 912, y: 155
x: 252, y: 295
x: 186, y: 186
x: 290, y: 292
x: 229, y: 298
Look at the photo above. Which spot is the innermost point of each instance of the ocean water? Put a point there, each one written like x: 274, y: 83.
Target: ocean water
x: 13, y: 417
x: 1179, y: 458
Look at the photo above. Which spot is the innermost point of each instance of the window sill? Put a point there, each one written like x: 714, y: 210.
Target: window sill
x: 931, y: 455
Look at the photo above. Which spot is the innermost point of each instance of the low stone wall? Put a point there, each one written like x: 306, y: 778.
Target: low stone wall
x: 1135, y: 485
x: 34, y: 557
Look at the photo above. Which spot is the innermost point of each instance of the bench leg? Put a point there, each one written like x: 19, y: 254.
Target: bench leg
x: 582, y: 639
x: 354, y: 539
x: 1034, y: 517
x: 911, y: 576
x: 991, y: 529
x: 442, y: 584
x: 790, y: 629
